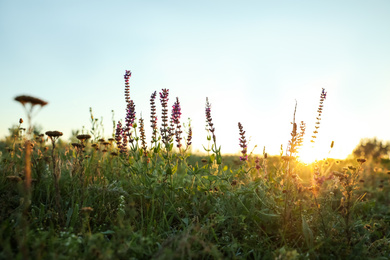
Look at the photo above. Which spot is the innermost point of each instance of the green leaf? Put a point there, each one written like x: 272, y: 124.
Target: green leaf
x: 212, y: 158
x: 207, y: 150
x: 108, y: 232
x: 307, y: 233
x: 68, y: 217
x: 185, y: 221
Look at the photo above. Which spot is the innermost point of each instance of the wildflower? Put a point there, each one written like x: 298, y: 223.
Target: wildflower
x: 53, y: 135
x: 165, y: 131
x: 296, y: 138
x: 153, y: 117
x: 32, y: 100
x: 124, y: 142
x: 209, y: 119
x: 243, y: 143
x: 320, y: 107
x: 175, y: 118
x: 143, y: 137
x: 83, y: 137
x: 127, y: 86
x: 130, y: 117
x: 118, y: 135
x: 257, y: 161
x: 189, y: 137
x: 301, y: 134
x: 361, y: 160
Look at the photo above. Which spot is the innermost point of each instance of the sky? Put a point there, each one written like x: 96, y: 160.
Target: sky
x: 253, y: 60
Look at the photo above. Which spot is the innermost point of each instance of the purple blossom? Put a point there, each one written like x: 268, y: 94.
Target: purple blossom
x: 165, y: 131
x: 243, y: 143
x: 127, y: 85
x: 130, y: 115
x: 175, y: 119
x: 153, y: 117
x: 176, y: 112
x: 118, y: 135
x: 209, y: 119
x: 323, y: 94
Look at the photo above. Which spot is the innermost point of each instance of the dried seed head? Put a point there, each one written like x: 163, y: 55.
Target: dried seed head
x: 361, y: 160
x: 54, y: 133
x: 83, y: 137
x: 86, y: 210
x: 32, y: 100
x: 77, y: 145
x: 14, y: 179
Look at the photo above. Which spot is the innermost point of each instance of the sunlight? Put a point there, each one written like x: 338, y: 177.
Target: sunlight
x: 309, y: 154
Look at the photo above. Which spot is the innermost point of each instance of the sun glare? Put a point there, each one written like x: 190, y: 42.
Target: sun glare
x: 310, y: 154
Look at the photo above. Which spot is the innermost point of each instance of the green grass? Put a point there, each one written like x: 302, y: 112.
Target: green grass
x: 94, y: 200
x: 201, y: 210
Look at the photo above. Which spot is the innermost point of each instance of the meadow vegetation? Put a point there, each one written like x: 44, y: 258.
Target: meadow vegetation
x: 133, y: 197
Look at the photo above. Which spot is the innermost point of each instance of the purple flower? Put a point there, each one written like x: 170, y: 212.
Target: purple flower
x: 175, y: 119
x: 118, y: 135
x: 323, y: 94
x: 130, y: 115
x: 209, y: 119
x: 165, y: 131
x: 153, y: 117
x: 243, y: 143
x: 127, y: 85
x: 176, y: 112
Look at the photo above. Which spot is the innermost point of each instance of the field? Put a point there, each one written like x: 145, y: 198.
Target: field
x: 138, y: 197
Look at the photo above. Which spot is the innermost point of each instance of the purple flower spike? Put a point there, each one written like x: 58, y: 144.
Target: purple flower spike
x: 323, y: 94
x: 175, y: 119
x: 130, y: 115
x: 153, y: 117
x: 176, y: 112
x: 127, y: 85
x: 165, y: 131
x: 243, y: 143
x: 209, y: 119
x: 118, y: 135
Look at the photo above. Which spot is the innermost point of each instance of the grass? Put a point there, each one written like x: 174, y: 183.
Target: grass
x: 120, y: 199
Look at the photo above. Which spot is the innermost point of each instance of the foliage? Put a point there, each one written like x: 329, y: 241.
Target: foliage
x: 372, y: 148
x: 120, y: 199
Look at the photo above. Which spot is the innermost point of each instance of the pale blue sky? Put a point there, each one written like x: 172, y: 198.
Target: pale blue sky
x: 251, y: 58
